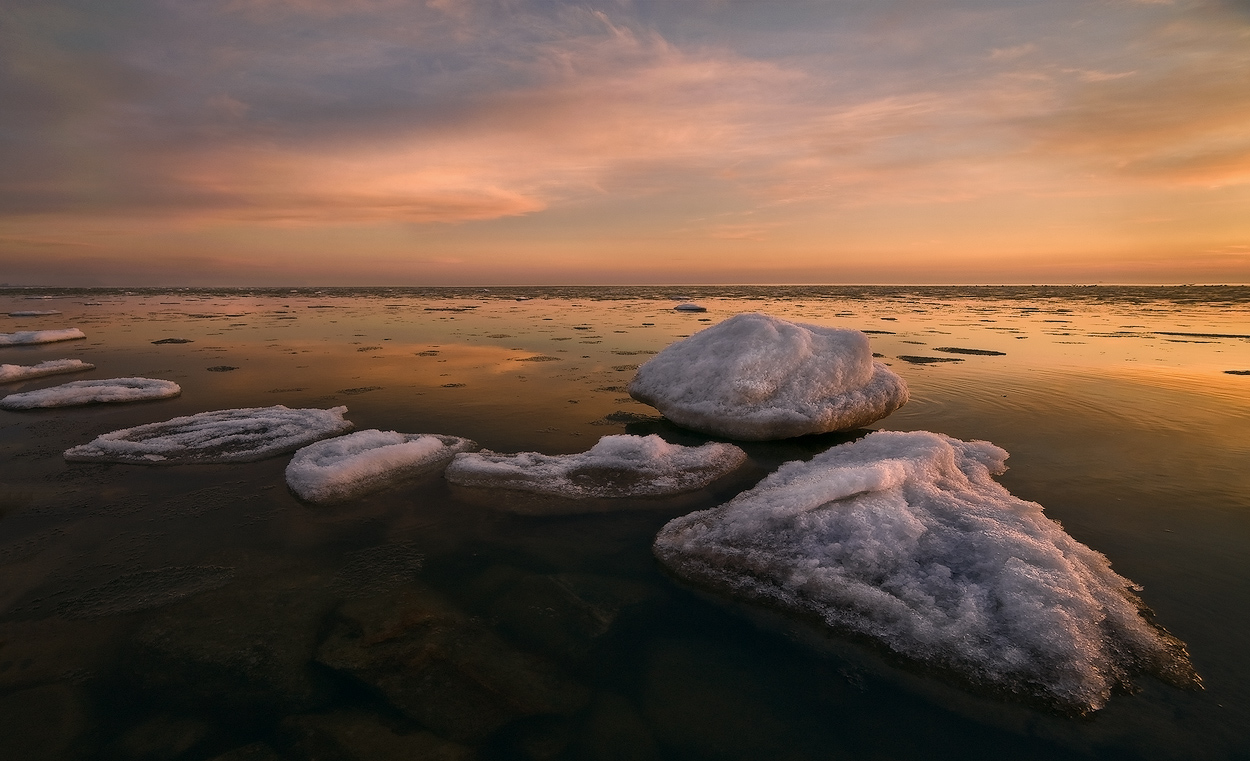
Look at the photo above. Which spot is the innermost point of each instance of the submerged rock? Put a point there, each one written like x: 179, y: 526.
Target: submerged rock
x: 241, y: 435
x: 440, y: 668
x: 365, y: 461
x: 357, y: 735
x: 904, y: 538
x: 755, y: 377
x: 616, y: 466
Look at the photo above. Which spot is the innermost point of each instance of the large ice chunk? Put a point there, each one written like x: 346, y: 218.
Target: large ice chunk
x: 906, y: 539
x: 755, y: 377
x: 617, y: 466
x: 13, y: 373
x: 75, y: 393
x: 241, y: 435
x: 25, y: 337
x: 365, y: 461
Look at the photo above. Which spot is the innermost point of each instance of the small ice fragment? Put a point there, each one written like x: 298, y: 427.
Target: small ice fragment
x: 358, y: 463
x: 173, y: 341
x: 12, y: 373
x: 617, y: 466
x: 27, y: 337
x: 108, y: 391
x: 756, y: 377
x: 34, y: 312
x: 689, y: 307
x: 240, y: 435
x: 906, y: 539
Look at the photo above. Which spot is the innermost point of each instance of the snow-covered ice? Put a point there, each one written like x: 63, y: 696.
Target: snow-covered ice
x: 690, y: 307
x: 107, y: 391
x: 365, y: 461
x: 34, y: 313
x: 25, y: 337
x: 617, y: 466
x: 240, y: 435
x: 906, y: 539
x: 755, y: 377
x: 13, y: 373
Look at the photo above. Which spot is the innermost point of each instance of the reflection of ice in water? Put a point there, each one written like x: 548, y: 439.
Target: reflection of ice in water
x: 905, y: 538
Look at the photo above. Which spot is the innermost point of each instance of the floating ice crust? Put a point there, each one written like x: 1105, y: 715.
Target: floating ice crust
x: 755, y: 377
x: 617, y: 466
x: 27, y: 337
x: 906, y: 539
x: 690, y: 307
x: 13, y: 373
x: 35, y: 313
x: 358, y: 463
x: 241, y: 435
x: 75, y: 393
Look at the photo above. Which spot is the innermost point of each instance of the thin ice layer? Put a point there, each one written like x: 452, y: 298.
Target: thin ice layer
x: 26, y: 337
x: 34, y: 313
x: 905, y: 538
x: 13, y: 373
x: 241, y: 435
x: 365, y: 461
x: 108, y: 391
x: 617, y: 466
x: 755, y: 377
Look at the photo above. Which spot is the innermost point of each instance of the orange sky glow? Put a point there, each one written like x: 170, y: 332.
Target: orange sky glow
x: 370, y: 142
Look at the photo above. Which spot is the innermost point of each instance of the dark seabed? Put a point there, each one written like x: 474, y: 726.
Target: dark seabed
x: 202, y: 612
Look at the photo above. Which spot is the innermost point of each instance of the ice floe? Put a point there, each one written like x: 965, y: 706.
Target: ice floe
x: 617, y: 466
x: 365, y: 461
x: 26, y: 337
x: 755, y: 377
x: 106, y: 391
x: 34, y: 313
x: 688, y: 307
x: 905, y: 538
x: 13, y: 373
x: 240, y: 435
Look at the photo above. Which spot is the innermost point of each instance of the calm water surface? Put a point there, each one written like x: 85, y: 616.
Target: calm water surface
x: 202, y: 612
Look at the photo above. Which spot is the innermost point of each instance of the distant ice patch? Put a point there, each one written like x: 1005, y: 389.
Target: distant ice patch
x: 617, y: 466
x: 906, y: 539
x: 26, y: 337
x: 35, y: 313
x: 688, y: 307
x: 108, y: 391
x: 13, y: 373
x: 365, y: 461
x: 755, y: 377
x: 241, y: 435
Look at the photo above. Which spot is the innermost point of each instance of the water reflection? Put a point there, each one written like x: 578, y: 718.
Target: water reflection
x: 186, y: 613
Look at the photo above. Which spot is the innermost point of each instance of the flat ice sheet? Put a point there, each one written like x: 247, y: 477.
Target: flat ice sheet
x: 241, y: 435
x: 27, y: 337
x: 35, y: 313
x: 906, y: 539
x: 107, y: 391
x: 358, y: 463
x: 617, y: 466
x: 14, y: 373
x: 755, y: 377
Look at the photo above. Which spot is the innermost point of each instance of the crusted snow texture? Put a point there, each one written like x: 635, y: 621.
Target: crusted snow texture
x: 25, y: 337
x: 13, y: 373
x: 106, y: 391
x: 906, y: 539
x: 755, y: 378
x: 617, y: 466
x: 365, y: 461
x: 241, y: 435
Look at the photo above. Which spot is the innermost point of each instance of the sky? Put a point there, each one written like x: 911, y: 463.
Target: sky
x: 462, y: 142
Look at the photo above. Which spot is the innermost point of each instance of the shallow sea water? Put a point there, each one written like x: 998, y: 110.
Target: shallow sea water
x: 203, y: 612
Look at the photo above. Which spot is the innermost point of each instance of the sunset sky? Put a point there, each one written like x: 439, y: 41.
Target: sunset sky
x: 362, y: 142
